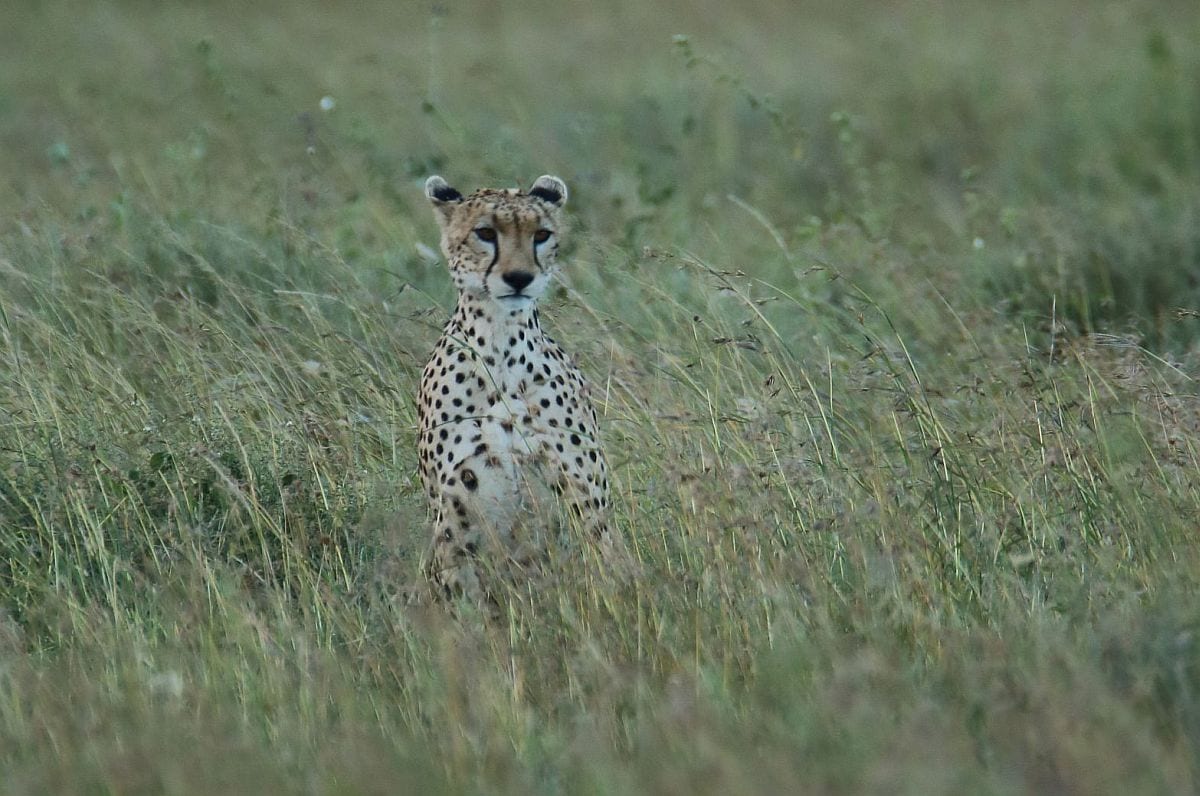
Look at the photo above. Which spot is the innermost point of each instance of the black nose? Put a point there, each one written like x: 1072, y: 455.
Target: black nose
x: 517, y: 280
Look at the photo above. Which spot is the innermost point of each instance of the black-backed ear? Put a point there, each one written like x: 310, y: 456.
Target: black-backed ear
x: 440, y: 192
x: 549, y: 189
x: 443, y: 198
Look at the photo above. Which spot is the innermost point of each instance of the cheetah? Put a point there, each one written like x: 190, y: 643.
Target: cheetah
x: 507, y: 431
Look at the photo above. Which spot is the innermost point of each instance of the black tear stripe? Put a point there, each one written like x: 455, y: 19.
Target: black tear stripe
x: 538, y: 222
x: 495, y: 254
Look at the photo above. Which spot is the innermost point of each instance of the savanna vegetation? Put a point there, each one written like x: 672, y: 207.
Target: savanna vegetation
x: 891, y: 312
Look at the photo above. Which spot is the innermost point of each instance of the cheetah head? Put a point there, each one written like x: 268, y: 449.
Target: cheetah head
x: 501, y: 244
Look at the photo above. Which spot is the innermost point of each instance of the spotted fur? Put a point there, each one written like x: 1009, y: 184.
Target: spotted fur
x: 508, y: 440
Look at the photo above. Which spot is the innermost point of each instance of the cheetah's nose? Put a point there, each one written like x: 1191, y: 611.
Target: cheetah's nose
x: 517, y: 280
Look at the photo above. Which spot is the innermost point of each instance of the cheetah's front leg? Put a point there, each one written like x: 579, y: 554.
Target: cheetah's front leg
x: 451, y: 564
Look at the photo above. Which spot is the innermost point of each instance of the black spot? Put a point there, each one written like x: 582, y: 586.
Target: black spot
x: 575, y: 440
x: 469, y: 480
x: 480, y: 448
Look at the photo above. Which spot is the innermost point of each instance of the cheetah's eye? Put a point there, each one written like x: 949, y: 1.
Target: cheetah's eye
x: 541, y: 236
x: 486, y: 234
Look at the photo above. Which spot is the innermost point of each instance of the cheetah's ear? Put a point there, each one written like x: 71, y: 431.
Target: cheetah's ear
x: 440, y: 192
x: 440, y: 195
x: 550, y: 189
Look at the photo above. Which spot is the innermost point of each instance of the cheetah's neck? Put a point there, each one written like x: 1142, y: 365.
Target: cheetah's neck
x: 475, y: 318
x: 504, y: 341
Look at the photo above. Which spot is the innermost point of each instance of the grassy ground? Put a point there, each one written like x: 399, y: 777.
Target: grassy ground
x: 891, y: 312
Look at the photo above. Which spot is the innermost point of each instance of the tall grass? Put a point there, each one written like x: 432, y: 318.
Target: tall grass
x: 889, y: 315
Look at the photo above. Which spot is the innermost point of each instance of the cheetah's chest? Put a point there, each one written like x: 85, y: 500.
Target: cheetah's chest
x: 519, y: 451
x: 535, y: 426
x: 505, y: 428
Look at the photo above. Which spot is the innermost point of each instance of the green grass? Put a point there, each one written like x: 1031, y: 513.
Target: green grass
x: 891, y: 314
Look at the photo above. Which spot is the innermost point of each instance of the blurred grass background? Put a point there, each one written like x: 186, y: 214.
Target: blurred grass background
x: 891, y: 311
